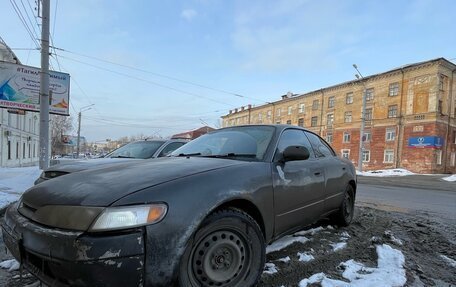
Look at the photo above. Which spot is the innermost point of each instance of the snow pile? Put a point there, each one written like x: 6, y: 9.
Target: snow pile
x: 450, y: 178
x: 285, y: 259
x: 305, y: 257
x: 270, y: 268
x: 390, y: 272
x: 338, y: 246
x: 284, y: 242
x: 386, y: 172
x: 14, y: 181
x: 448, y: 260
x: 392, y: 238
x: 311, y: 231
x: 11, y: 265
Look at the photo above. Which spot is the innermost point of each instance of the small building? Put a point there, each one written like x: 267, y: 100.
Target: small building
x: 190, y: 135
x: 409, y: 118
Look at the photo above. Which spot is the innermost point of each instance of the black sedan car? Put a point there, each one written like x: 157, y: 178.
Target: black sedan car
x: 201, y: 217
x: 143, y: 149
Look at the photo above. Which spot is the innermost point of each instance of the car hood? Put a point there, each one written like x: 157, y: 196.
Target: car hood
x: 103, y: 186
x: 78, y: 165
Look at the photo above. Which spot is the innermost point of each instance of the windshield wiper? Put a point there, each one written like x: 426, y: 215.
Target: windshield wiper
x: 231, y: 154
x: 189, y: 154
x: 121, y: 156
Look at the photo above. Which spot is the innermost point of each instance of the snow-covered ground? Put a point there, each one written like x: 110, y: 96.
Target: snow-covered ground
x: 14, y: 181
x: 385, y: 172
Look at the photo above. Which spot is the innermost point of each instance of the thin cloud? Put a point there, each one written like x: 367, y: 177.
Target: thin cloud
x: 189, y: 14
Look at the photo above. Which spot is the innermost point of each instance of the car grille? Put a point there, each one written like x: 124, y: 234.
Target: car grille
x: 53, y: 174
x: 43, y: 268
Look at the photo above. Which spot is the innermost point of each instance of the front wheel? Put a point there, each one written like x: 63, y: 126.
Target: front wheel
x: 227, y: 250
x: 344, y: 216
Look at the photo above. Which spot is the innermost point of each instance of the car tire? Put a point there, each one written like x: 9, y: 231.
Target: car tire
x: 344, y: 216
x: 227, y: 250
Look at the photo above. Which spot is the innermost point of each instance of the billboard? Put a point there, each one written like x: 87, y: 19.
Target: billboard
x: 20, y: 89
x: 73, y: 140
x: 425, y: 142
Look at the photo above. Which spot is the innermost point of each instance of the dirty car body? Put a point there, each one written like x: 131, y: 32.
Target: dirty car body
x: 201, y: 217
x: 143, y: 149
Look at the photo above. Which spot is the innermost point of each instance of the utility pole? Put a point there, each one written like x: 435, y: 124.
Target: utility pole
x: 363, y: 121
x: 44, y: 87
x: 86, y: 108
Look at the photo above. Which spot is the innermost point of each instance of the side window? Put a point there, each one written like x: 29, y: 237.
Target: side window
x: 294, y: 137
x: 320, y: 147
x: 170, y: 148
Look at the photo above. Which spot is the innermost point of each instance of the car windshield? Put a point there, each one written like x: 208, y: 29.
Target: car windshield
x: 140, y: 149
x: 244, y: 143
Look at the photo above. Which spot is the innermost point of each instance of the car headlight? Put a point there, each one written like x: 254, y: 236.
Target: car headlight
x: 115, y: 218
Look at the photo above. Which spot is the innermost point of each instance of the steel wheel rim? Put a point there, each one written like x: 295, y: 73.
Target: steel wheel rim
x: 220, y: 259
x: 348, y: 206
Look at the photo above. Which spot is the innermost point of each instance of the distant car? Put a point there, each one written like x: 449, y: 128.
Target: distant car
x: 142, y: 149
x: 201, y: 217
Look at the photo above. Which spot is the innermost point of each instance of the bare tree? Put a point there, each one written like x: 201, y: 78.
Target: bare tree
x: 59, y: 126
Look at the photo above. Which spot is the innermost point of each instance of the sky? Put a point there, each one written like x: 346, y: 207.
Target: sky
x: 163, y: 67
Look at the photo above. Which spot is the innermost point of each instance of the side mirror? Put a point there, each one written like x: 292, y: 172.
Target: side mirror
x: 295, y: 152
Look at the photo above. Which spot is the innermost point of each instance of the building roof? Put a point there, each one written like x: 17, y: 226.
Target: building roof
x: 193, y: 134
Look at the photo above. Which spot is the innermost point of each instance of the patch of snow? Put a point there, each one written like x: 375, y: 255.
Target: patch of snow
x: 270, y: 268
x: 376, y: 239
x: 345, y: 234
x: 330, y: 227
x: 311, y: 231
x: 390, y: 272
x: 285, y: 259
x: 450, y: 178
x: 284, y: 242
x: 338, y: 246
x: 386, y: 172
x: 14, y: 181
x: 392, y: 238
x: 448, y: 260
x: 11, y: 265
x: 305, y: 257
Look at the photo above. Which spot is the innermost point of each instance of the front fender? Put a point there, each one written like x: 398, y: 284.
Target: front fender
x: 190, y: 200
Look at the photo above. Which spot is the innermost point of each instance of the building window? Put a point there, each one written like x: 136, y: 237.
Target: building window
x: 349, y: 98
x: 388, y: 156
x: 348, y: 117
x: 302, y: 108
x: 369, y: 94
x: 313, y: 121
x: 260, y: 118
x: 315, y: 104
x: 331, y: 102
x: 29, y: 151
x: 392, y: 111
x: 442, y: 83
x: 34, y: 150
x: 279, y: 112
x: 345, y: 153
x: 439, y: 157
x: 269, y: 115
x: 368, y: 114
x: 301, y: 122
x: 367, y: 137
x: 393, y: 89
x: 23, y: 150
x: 440, y: 107
x: 289, y: 122
x: 390, y: 134
x: 329, y: 138
x: 347, y: 137
x: 329, y: 120
x: 9, y: 149
x: 366, y: 155
x: 290, y: 110
x: 17, y: 149
x: 453, y: 159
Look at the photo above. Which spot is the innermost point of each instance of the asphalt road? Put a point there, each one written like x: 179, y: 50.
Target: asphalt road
x: 416, y: 193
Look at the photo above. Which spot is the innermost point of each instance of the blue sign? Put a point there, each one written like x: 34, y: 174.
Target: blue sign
x: 430, y: 142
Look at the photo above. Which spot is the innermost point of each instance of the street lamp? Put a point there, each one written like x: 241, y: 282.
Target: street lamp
x: 83, y: 109
x: 363, y: 120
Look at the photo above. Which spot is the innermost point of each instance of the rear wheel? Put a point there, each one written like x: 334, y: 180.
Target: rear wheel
x: 344, y: 215
x: 227, y: 250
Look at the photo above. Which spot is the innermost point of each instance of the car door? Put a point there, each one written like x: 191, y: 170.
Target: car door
x: 334, y: 169
x: 298, y: 185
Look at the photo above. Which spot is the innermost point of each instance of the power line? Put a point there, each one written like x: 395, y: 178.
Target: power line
x: 28, y: 17
x: 161, y: 75
x: 22, y: 19
x: 147, y: 81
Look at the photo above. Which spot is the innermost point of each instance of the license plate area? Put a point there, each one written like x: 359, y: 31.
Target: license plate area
x: 13, y: 243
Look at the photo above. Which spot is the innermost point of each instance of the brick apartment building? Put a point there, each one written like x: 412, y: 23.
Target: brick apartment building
x: 409, y: 121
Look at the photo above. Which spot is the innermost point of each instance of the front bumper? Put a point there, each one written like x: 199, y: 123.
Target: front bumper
x: 67, y: 258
